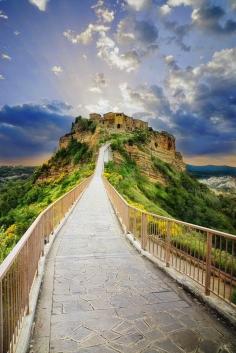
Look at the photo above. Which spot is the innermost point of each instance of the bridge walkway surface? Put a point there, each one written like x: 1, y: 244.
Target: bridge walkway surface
x: 100, y: 296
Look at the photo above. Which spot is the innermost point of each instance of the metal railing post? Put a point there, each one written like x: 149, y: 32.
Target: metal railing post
x: 1, y: 318
x: 127, y: 219
x: 168, y: 243
x: 144, y: 231
x: 27, y: 278
x: 208, y: 263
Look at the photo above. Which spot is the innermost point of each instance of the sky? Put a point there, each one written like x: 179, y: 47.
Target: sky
x: 169, y: 62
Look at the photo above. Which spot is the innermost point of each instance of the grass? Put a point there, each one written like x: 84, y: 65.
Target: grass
x: 183, y: 198
x: 21, y: 201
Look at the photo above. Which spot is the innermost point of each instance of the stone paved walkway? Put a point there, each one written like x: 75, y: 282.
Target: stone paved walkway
x: 100, y: 296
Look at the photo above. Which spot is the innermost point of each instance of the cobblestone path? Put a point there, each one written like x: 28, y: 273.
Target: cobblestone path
x: 100, y: 296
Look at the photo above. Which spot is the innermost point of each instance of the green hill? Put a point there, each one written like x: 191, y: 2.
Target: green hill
x: 180, y: 196
x: 21, y: 201
x: 145, y: 169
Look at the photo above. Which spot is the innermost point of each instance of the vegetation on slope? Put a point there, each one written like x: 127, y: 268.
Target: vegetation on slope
x: 15, y: 173
x: 182, y: 197
x: 21, y: 201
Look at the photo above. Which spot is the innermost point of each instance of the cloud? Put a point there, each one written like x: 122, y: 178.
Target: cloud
x: 137, y: 36
x: 176, y: 3
x: 16, y: 33
x: 101, y: 107
x: 150, y: 100
x: 86, y: 36
x: 2, y: 77
x: 57, y: 70
x: 110, y: 53
x: 95, y: 89
x: 6, y: 57
x: 98, y: 4
x: 134, y: 32
x: 103, y: 14
x: 40, y: 4
x: 171, y: 62
x: 165, y: 10
x: 193, y: 85
x: 209, y: 18
x: 233, y: 4
x: 138, y: 5
x: 3, y: 15
x: 180, y: 32
x: 198, y: 105
x: 99, y: 82
x: 30, y: 130
x: 203, y: 101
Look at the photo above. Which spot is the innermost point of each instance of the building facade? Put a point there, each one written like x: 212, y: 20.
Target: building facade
x: 119, y: 121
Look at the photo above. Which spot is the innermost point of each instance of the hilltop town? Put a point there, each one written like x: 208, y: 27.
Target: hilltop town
x: 159, y: 144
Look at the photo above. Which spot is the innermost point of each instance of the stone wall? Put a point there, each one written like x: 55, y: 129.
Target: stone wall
x: 160, y: 144
x: 119, y: 121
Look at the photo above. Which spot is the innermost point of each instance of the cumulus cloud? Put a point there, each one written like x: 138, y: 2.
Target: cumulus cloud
x: 105, y: 15
x: 197, y: 104
x: 99, y: 82
x: 2, y: 77
x: 57, y: 70
x: 16, y: 33
x: 233, y: 4
x: 101, y: 107
x: 176, y: 3
x: 171, y: 62
x: 31, y: 130
x: 40, y: 4
x: 194, y: 84
x: 138, y: 36
x: 165, y: 10
x: 110, y: 53
x: 203, y: 101
x: 150, y: 100
x: 86, y: 36
x: 209, y: 17
x: 169, y: 59
x: 180, y: 32
x: 3, y: 15
x: 132, y: 31
x: 5, y: 57
x: 138, y: 5
x: 99, y: 3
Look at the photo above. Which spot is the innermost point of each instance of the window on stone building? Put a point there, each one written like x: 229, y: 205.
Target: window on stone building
x: 118, y: 126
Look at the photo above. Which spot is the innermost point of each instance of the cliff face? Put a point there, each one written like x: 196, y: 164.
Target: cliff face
x: 153, y: 144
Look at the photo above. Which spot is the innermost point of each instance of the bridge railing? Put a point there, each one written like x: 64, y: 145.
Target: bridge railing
x: 205, y: 255
x: 19, y: 269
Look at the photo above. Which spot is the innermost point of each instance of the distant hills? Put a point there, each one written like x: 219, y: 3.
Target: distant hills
x: 8, y: 173
x: 207, y: 171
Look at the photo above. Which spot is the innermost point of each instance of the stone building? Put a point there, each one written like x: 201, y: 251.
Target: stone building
x: 119, y: 121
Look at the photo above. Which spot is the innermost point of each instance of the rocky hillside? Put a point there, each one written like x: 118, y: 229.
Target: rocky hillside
x: 144, y: 146
x: 148, y: 171
x: 145, y: 168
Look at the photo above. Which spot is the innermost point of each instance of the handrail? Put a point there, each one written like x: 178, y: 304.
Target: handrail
x: 206, y: 255
x: 18, y: 270
x: 217, y: 232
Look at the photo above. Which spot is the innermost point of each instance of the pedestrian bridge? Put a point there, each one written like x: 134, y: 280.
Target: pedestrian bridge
x: 99, y: 294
